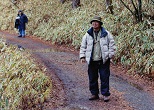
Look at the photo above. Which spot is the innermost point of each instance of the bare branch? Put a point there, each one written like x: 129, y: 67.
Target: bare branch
x: 109, y: 6
x: 134, y: 6
x: 127, y: 7
x: 14, y: 2
x: 75, y: 4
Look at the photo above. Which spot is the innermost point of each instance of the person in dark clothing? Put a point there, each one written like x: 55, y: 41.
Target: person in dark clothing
x: 20, y: 23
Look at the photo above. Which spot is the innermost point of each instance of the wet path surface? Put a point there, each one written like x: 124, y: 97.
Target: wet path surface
x: 74, y: 77
x: 137, y: 97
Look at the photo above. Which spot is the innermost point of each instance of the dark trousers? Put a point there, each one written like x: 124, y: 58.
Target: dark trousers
x: 21, y: 32
x: 94, y: 68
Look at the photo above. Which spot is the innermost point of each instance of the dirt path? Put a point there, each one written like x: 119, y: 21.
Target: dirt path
x: 70, y: 80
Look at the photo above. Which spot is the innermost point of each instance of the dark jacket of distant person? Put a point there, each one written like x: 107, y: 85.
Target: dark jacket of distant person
x: 22, y: 21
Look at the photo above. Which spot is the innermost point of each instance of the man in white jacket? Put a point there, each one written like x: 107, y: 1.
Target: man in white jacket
x: 97, y: 48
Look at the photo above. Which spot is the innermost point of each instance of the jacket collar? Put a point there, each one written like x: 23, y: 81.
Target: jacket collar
x: 103, y: 32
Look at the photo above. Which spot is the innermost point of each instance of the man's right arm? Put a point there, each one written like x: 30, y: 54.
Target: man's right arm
x: 83, y: 49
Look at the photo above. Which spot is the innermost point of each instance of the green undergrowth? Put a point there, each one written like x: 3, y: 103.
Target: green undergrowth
x: 52, y: 21
x: 23, y: 85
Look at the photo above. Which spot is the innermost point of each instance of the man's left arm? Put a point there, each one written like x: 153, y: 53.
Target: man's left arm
x: 25, y: 19
x: 112, y: 46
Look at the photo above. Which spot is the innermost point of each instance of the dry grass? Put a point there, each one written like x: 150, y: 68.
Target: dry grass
x: 22, y: 83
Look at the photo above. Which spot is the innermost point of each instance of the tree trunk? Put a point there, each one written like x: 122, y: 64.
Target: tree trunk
x: 62, y: 1
x: 14, y: 1
x: 109, y: 6
x: 140, y: 10
x: 75, y: 3
x: 137, y: 13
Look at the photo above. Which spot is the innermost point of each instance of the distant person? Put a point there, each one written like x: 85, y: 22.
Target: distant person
x: 20, y: 23
x: 97, y: 48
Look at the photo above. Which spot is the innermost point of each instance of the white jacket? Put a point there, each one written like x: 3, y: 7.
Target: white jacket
x: 107, y: 45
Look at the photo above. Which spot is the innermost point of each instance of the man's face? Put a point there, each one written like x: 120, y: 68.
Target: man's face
x: 96, y: 25
x: 19, y: 13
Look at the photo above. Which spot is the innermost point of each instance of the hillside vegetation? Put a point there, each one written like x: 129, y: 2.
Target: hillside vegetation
x: 23, y: 85
x: 50, y: 20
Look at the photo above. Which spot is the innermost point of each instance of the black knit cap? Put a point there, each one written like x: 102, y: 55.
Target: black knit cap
x: 20, y: 11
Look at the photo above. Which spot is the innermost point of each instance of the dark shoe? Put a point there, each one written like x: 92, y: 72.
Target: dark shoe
x: 106, y: 98
x: 94, y: 97
x: 20, y: 36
